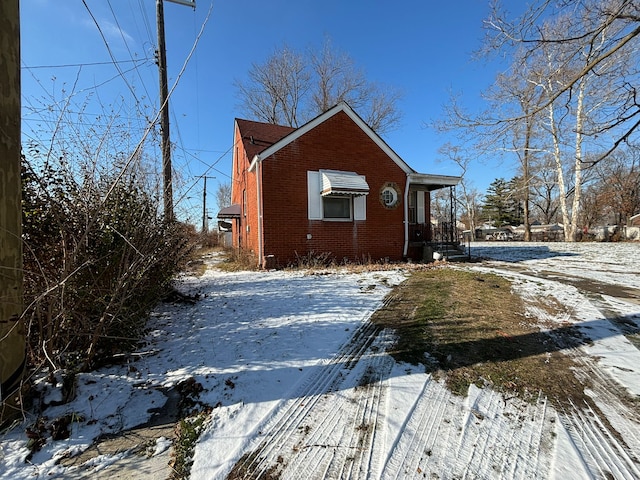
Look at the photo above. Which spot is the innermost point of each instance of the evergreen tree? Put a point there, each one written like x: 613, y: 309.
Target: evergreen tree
x: 502, y: 205
x: 515, y: 201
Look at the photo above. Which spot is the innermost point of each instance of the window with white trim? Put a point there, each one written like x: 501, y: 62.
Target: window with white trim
x: 412, y: 207
x: 336, y: 195
x: 336, y: 207
x: 390, y: 195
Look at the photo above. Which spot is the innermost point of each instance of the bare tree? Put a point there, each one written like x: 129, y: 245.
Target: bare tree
x: 597, y: 37
x: 337, y: 78
x: 544, y: 190
x: 617, y: 188
x: 468, y: 196
x: 519, y: 90
x: 576, y: 58
x: 223, y: 195
x: 274, y: 89
x: 584, y: 107
x: 291, y: 88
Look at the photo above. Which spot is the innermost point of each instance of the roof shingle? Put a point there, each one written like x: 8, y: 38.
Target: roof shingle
x: 257, y: 136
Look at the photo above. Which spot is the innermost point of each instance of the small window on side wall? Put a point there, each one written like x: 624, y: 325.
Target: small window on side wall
x: 390, y: 195
x: 340, y: 208
x: 336, y: 208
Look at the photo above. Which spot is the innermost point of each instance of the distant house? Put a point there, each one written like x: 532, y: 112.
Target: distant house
x: 631, y: 231
x: 331, y: 187
x: 552, y: 232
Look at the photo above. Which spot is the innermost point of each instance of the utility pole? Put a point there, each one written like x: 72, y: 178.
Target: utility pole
x: 165, y: 143
x: 12, y: 332
x: 204, y: 205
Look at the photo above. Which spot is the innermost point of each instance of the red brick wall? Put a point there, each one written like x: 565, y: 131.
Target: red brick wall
x: 244, y: 180
x: 337, y: 144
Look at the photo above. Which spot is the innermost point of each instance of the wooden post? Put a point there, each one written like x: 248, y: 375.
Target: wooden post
x: 205, y: 228
x: 165, y: 142
x: 12, y: 333
x: 204, y: 207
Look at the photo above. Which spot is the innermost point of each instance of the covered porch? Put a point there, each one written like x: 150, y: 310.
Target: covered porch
x: 229, y: 221
x: 422, y: 237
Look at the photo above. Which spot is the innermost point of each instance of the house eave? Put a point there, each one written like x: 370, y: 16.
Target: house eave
x: 254, y: 162
x: 340, y: 107
x: 429, y: 182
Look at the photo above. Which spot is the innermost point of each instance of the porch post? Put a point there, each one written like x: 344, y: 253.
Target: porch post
x: 406, y: 218
x: 259, y: 201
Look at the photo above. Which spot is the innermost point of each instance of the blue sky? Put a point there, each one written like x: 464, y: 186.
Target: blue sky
x: 423, y: 48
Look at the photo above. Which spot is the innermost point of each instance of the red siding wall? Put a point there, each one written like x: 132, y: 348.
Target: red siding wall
x: 337, y: 144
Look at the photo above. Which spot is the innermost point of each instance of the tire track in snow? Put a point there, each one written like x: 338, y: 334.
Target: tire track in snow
x: 605, y: 437
x: 610, y: 445
x: 621, y: 413
x: 305, y: 437
x: 333, y: 451
x: 601, y: 452
x: 513, y: 442
x: 420, y: 434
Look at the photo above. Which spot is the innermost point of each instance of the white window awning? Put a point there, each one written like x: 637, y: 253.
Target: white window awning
x: 343, y: 183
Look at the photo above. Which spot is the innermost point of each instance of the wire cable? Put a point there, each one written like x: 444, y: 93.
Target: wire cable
x: 113, y: 59
x: 157, y: 116
x: 126, y: 44
x: 88, y: 64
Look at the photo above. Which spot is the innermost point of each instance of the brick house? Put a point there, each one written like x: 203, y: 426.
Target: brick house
x: 332, y: 186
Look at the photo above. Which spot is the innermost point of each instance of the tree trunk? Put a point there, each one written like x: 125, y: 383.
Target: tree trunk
x: 559, y: 172
x: 577, y: 186
x: 526, y: 180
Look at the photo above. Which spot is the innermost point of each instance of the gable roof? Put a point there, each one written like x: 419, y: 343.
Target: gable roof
x: 341, y: 107
x: 258, y: 136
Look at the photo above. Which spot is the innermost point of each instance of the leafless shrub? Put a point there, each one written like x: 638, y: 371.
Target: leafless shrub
x: 97, y: 256
x: 313, y: 260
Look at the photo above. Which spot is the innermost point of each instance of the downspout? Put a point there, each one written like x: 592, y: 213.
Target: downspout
x: 259, y: 194
x: 406, y: 219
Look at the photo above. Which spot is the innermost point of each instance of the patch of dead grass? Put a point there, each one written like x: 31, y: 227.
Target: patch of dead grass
x: 468, y: 328
x: 237, y: 260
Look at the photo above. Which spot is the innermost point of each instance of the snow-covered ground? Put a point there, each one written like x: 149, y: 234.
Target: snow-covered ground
x: 301, y: 386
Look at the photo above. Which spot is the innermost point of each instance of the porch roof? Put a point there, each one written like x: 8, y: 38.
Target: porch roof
x: 425, y: 181
x: 233, y: 211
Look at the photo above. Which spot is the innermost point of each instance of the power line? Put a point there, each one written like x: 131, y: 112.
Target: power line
x: 104, y: 39
x: 88, y: 64
x: 147, y: 23
x: 211, y: 167
x: 73, y: 94
x: 126, y: 44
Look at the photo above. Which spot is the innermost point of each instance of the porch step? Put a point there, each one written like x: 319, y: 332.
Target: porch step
x: 452, y: 253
